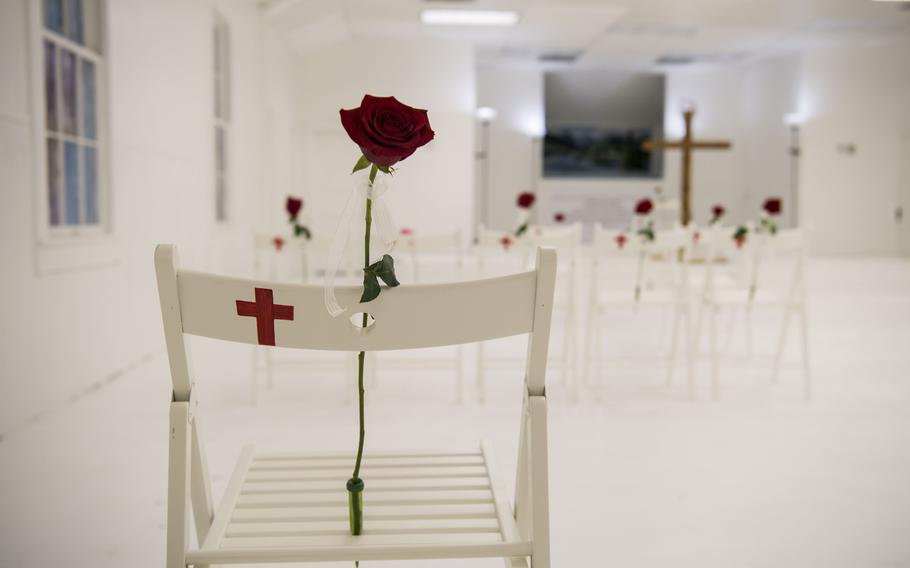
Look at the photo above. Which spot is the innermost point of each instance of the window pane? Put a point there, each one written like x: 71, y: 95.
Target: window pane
x: 226, y: 72
x: 88, y: 99
x: 71, y: 165
x: 53, y: 15
x: 74, y: 29
x: 53, y: 181
x: 91, y: 18
x: 220, y: 198
x: 220, y: 154
x: 91, y: 185
x: 217, y: 72
x: 68, y: 77
x: 50, y: 86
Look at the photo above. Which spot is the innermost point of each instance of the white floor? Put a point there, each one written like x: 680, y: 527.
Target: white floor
x: 640, y: 477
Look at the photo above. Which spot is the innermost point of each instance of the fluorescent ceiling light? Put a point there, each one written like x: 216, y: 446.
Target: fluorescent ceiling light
x: 469, y: 17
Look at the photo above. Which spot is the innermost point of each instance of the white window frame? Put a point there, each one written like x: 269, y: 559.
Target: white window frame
x: 67, y: 247
x: 221, y: 29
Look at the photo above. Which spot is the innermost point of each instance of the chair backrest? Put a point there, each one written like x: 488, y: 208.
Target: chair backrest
x: 631, y: 263
x: 419, y: 247
x: 762, y: 261
x: 407, y: 317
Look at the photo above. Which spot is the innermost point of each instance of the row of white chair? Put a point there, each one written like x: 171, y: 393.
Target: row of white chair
x: 687, y: 274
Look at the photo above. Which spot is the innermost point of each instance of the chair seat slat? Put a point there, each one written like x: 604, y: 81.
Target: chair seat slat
x: 364, y: 539
x: 376, y: 527
x: 411, y: 512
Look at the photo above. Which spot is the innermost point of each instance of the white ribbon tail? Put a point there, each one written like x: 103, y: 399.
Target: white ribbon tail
x: 336, y: 253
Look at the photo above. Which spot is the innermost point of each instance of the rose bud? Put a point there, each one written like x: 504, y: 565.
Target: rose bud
x: 772, y: 206
x: 559, y: 217
x: 526, y: 199
x: 621, y: 240
x: 506, y: 242
x: 278, y: 242
x: 293, y: 206
x: 644, y: 207
x: 386, y: 130
x: 718, y: 211
x: 406, y: 232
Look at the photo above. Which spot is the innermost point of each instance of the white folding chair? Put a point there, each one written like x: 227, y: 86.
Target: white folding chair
x: 630, y: 273
x: 298, y: 260
x: 302, y: 520
x: 771, y: 274
x: 427, y: 255
x: 565, y: 240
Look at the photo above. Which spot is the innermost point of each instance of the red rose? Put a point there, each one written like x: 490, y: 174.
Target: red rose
x: 740, y: 241
x: 506, y: 242
x: 644, y: 207
x: 293, y: 206
x: 278, y: 242
x: 559, y: 217
x: 696, y: 236
x: 526, y: 200
x: 405, y: 232
x: 620, y: 240
x: 386, y: 130
x: 772, y: 206
x: 718, y: 211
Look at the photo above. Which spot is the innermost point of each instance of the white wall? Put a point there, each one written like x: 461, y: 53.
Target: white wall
x: 514, y: 154
x: 432, y: 191
x: 857, y: 96
x: 64, y: 333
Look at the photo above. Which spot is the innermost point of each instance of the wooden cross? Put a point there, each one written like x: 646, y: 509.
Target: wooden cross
x: 687, y: 144
x: 266, y: 311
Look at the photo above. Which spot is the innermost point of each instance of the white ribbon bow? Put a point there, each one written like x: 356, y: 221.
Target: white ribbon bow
x: 351, y: 227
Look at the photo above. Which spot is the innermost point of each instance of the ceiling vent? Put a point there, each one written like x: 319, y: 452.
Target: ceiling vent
x: 716, y: 57
x: 562, y: 57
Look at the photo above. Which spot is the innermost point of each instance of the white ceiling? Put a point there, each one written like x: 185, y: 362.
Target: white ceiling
x: 617, y: 33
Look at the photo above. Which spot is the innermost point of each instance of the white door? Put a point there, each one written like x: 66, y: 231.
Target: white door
x: 902, y: 203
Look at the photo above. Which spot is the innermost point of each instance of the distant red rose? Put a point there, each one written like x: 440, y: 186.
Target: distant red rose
x: 278, y: 242
x: 739, y: 241
x: 644, y: 207
x: 696, y: 236
x: 718, y: 211
x: 772, y: 206
x: 559, y: 217
x: 506, y: 242
x: 406, y: 232
x: 526, y: 199
x: 621, y: 240
x: 293, y: 206
x: 386, y: 130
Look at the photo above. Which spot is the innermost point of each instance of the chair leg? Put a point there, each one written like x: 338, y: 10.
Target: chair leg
x: 269, y: 374
x: 712, y: 332
x: 481, y: 379
x: 781, y: 345
x: 748, y: 323
x: 674, y: 344
x: 804, y: 332
x: 459, y: 374
x: 254, y: 377
x: 586, y: 354
x: 690, y: 357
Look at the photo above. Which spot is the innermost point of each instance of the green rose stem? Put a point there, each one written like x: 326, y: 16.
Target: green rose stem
x: 355, y: 484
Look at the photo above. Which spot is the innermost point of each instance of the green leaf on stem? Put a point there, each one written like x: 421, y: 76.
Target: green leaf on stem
x: 301, y: 230
x: 385, y: 269
x: 362, y: 164
x: 371, y: 287
x: 521, y: 230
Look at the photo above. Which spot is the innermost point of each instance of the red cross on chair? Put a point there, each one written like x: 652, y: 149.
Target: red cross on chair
x: 266, y: 312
